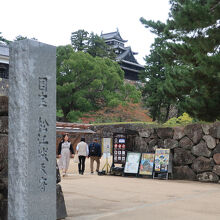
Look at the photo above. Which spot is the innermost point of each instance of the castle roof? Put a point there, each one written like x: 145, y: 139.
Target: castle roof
x: 4, y: 54
x: 128, y: 57
x: 113, y: 35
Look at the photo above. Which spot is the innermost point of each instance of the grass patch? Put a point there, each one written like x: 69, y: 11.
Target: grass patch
x: 132, y: 122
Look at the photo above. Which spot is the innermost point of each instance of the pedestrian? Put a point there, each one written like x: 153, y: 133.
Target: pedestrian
x: 95, y: 154
x: 83, y: 152
x: 65, y: 151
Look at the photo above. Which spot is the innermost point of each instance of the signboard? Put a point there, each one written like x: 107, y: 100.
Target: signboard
x: 147, y: 164
x: 106, y: 147
x: 132, y: 162
x: 161, y: 160
x: 119, y: 148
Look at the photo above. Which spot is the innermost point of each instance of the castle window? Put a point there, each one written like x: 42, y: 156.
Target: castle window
x: 4, y: 71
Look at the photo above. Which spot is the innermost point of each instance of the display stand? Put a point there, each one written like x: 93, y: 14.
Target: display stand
x: 107, y: 166
x: 146, y: 164
x: 162, y: 164
x: 132, y: 163
x: 106, y: 151
x: 119, y: 153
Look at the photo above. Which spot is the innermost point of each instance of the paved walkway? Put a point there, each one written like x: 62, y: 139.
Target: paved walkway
x: 108, y: 197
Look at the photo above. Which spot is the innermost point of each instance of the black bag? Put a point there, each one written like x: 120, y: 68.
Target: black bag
x: 93, y: 150
x: 58, y: 174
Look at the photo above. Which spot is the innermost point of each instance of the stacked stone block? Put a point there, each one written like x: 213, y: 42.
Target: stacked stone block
x: 195, y: 147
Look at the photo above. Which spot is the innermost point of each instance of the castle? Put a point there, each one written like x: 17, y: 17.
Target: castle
x: 124, y: 55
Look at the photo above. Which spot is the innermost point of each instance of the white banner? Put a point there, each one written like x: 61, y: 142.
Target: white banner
x: 106, y: 147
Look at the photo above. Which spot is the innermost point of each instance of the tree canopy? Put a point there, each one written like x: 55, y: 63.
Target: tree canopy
x: 86, y: 83
x: 153, y: 77
x: 91, y: 43
x: 17, y: 38
x: 3, y: 40
x: 20, y: 37
x: 190, y: 56
x: 79, y: 40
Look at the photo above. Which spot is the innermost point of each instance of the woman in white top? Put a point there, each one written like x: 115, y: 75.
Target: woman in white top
x: 83, y: 152
x: 64, y: 150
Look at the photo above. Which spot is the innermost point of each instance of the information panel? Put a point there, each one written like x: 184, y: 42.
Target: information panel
x: 132, y: 162
x: 106, y: 147
x: 161, y: 160
x: 147, y: 164
x: 119, y: 148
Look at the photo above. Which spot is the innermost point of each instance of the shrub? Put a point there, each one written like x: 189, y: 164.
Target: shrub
x: 184, y: 119
x: 74, y: 116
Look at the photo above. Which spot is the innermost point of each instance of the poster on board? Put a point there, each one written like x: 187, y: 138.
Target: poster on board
x: 106, y: 147
x: 132, y: 162
x: 147, y: 164
x: 161, y: 160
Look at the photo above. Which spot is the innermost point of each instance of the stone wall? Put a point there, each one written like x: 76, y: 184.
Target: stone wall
x: 195, y: 148
x: 3, y: 156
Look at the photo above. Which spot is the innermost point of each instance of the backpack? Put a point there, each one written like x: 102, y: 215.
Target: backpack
x: 93, y: 150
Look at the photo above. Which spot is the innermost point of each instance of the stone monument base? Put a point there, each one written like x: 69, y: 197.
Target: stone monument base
x: 61, y: 207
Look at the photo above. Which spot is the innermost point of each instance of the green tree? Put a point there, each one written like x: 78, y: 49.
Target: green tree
x: 129, y: 93
x: 191, y: 56
x: 91, y: 43
x: 3, y: 40
x: 20, y: 37
x: 79, y: 40
x: 98, y: 47
x: 86, y: 83
x: 153, y: 78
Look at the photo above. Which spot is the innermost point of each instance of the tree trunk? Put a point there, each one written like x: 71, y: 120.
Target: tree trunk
x: 65, y: 113
x: 167, y: 112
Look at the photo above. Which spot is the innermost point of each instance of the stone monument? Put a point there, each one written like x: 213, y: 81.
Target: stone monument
x: 61, y: 206
x: 32, y: 131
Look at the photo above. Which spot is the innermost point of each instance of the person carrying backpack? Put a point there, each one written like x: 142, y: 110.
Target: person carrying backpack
x: 95, y: 154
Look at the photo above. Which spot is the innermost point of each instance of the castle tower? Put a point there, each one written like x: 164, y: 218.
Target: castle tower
x: 125, y: 56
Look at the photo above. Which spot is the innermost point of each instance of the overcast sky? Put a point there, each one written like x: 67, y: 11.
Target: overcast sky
x: 52, y: 21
